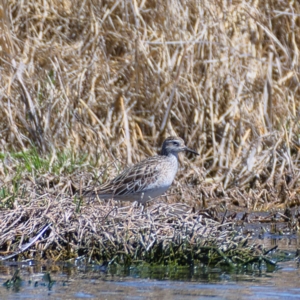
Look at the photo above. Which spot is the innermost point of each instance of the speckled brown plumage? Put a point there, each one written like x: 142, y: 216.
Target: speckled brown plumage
x: 145, y: 180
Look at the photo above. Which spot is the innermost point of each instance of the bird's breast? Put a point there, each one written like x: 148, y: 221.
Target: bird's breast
x: 168, y: 170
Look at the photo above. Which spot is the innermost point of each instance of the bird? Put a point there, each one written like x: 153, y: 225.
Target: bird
x: 145, y: 180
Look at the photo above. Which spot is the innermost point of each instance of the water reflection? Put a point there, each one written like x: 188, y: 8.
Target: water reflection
x: 77, y: 281
x: 77, y: 285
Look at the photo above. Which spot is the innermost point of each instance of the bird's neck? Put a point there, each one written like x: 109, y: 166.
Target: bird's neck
x: 169, y: 154
x: 173, y: 158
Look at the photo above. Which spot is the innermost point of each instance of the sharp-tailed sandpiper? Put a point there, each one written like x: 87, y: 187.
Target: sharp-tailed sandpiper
x: 145, y: 180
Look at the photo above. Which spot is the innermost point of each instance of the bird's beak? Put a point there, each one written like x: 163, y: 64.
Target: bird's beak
x: 190, y: 150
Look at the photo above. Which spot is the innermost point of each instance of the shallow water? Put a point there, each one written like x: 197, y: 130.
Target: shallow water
x: 79, y: 282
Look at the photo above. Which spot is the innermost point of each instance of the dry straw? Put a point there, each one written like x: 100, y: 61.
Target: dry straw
x: 55, y: 229
x: 117, y: 77
x: 112, y: 79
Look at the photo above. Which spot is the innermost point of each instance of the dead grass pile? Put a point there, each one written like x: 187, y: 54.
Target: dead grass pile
x: 113, y: 78
x: 59, y: 228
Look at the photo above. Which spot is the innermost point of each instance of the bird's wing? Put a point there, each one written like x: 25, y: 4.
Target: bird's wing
x: 132, y: 180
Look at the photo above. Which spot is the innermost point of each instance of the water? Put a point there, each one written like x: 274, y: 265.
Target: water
x: 78, y: 282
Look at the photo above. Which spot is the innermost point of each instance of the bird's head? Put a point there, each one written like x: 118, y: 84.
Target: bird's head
x: 174, y: 145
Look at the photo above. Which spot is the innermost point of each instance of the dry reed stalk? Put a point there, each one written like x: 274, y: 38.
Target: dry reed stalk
x: 162, y: 233
x: 222, y: 75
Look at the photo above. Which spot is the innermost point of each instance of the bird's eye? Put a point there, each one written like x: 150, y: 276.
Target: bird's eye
x: 176, y: 144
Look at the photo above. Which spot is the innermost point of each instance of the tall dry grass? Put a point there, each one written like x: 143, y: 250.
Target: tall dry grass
x: 114, y: 78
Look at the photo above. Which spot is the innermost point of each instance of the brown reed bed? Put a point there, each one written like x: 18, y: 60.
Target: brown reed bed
x: 59, y: 228
x: 92, y: 87
x: 41, y: 219
x: 111, y: 80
